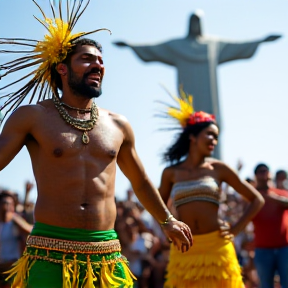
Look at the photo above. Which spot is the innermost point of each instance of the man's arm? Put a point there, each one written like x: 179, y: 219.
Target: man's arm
x: 14, y: 133
x: 228, y: 175
x: 131, y: 166
x: 28, y: 188
x: 22, y: 224
x: 282, y: 200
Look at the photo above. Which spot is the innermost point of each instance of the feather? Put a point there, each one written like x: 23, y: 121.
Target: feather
x: 39, y: 9
x: 67, y: 10
x: 16, y: 43
x: 19, y: 270
x: 53, y: 11
x: 22, y: 67
x: 18, y: 39
x: 71, y: 14
x: 51, y: 50
x: 18, y: 61
x: 184, y: 112
x: 60, y: 9
x: 19, y: 51
x: 26, y: 76
x: 80, y: 13
x: 72, y: 18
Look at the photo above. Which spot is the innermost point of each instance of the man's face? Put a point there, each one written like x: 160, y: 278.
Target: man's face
x: 281, y: 180
x: 85, y: 71
x: 262, y: 174
x: 281, y: 176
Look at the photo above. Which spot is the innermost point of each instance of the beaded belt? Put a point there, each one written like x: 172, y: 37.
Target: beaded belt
x: 73, y: 246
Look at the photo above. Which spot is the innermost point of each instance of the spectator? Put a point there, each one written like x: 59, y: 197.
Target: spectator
x: 281, y: 180
x: 251, y: 181
x: 13, y: 232
x: 271, y: 231
x: 28, y: 206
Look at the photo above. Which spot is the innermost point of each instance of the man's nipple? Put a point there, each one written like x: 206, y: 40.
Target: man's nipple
x: 58, y: 152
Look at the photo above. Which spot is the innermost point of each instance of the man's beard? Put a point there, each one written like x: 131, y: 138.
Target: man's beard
x: 81, y: 88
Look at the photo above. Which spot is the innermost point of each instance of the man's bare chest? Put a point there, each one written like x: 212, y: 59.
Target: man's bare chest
x: 56, y: 135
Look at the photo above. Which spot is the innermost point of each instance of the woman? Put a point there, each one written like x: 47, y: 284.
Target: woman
x: 193, y: 182
x: 13, y: 233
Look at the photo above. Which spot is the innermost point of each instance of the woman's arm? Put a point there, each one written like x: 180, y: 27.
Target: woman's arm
x: 228, y: 175
x: 166, y: 184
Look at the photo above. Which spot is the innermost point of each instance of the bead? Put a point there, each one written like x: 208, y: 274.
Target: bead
x: 67, y: 246
x: 85, y: 138
x: 79, y: 124
x: 167, y: 220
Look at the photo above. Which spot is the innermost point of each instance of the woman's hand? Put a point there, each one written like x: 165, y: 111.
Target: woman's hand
x: 225, y: 230
x: 178, y: 233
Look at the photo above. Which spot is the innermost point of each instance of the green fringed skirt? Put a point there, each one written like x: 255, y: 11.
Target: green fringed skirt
x: 57, y: 257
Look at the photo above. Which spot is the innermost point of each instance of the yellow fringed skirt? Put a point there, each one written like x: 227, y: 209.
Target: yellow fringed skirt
x: 210, y: 263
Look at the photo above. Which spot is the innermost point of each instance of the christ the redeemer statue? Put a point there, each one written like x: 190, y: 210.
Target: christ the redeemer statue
x: 196, y: 58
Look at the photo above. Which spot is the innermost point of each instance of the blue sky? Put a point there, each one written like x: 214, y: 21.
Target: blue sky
x: 253, y: 93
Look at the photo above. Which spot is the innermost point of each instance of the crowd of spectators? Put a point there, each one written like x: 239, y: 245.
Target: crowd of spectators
x: 141, y: 237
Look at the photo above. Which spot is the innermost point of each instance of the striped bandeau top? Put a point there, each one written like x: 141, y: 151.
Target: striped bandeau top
x: 204, y: 189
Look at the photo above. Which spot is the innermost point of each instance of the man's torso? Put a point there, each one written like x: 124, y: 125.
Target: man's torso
x: 75, y: 181
x: 271, y: 223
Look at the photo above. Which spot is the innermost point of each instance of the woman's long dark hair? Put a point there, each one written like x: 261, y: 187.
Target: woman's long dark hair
x: 180, y: 148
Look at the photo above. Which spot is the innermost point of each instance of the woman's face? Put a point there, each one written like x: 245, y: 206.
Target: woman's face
x: 7, y: 204
x: 207, y: 139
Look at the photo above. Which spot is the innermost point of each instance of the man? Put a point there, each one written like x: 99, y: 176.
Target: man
x: 74, y: 148
x: 13, y: 233
x: 271, y: 231
x: 281, y: 179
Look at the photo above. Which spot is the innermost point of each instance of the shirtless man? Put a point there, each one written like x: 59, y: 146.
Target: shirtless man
x: 75, y: 175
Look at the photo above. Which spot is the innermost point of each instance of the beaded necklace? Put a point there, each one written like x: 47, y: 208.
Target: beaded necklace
x: 80, y: 124
x: 83, y: 111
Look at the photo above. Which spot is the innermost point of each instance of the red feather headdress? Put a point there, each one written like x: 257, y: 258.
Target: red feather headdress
x: 184, y: 112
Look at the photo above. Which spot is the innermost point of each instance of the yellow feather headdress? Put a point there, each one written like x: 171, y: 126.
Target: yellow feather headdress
x: 184, y: 112
x: 43, y: 54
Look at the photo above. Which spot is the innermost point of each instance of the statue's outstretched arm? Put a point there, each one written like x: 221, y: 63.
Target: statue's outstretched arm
x: 149, y: 53
x: 271, y: 38
x: 229, y: 51
x: 121, y: 44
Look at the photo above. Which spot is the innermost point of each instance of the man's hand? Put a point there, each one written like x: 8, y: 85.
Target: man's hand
x: 179, y: 234
x: 28, y: 186
x: 239, y: 165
